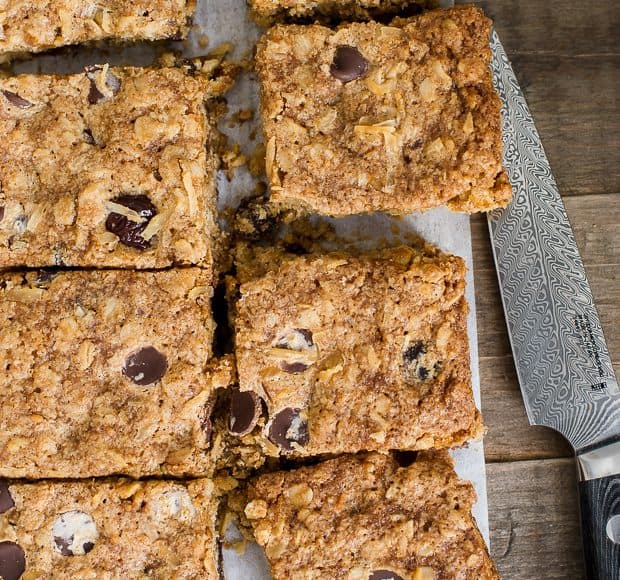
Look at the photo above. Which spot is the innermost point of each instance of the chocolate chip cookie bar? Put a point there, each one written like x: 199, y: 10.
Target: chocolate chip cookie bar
x: 108, y: 529
x: 110, y: 168
x: 107, y: 372
x: 340, y: 353
x: 368, y: 518
x: 369, y: 117
x: 266, y: 12
x: 34, y: 26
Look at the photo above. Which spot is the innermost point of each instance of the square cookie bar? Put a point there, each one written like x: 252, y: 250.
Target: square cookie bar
x: 266, y: 12
x: 368, y: 518
x: 368, y: 117
x: 37, y: 25
x: 342, y: 353
x: 110, y: 168
x: 108, y: 529
x: 107, y: 372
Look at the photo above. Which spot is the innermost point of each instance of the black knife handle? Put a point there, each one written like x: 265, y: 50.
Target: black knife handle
x: 600, y: 523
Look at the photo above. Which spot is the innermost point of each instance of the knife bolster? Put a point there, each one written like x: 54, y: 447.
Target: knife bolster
x: 600, y: 462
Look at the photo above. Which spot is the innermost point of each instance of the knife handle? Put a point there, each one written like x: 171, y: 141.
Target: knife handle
x: 600, y: 514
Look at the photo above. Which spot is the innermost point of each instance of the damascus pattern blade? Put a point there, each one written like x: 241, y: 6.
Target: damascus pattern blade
x: 562, y: 361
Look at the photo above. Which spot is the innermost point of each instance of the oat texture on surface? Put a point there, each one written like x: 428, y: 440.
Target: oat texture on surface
x: 113, y: 167
x: 369, y: 117
x: 108, y: 529
x: 107, y: 372
x: 352, y: 353
x: 366, y: 517
x: 36, y: 25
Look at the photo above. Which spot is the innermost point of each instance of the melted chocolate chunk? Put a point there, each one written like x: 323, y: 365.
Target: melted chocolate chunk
x: 287, y: 428
x: 349, y: 64
x: 384, y: 575
x: 12, y: 561
x: 245, y: 408
x: 130, y: 232
x: 16, y: 100
x: 1, y: 212
x: 6, y: 501
x: 112, y: 83
x: 146, y: 366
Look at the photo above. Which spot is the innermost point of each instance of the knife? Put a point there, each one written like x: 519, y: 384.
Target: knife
x: 562, y: 361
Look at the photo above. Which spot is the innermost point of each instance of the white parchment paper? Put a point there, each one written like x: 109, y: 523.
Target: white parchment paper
x: 226, y: 21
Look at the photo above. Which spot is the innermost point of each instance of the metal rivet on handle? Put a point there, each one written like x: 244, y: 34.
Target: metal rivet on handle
x: 613, y: 529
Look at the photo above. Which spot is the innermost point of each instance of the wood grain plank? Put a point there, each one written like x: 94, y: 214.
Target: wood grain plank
x: 595, y: 223
x: 534, y: 519
x: 575, y: 105
x: 510, y: 436
x: 555, y: 26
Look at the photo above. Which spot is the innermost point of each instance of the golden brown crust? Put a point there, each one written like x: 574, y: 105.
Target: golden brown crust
x: 419, y: 129
x: 353, y: 515
x: 73, y: 144
x: 141, y: 529
x: 370, y: 351
x: 69, y: 406
x: 38, y: 25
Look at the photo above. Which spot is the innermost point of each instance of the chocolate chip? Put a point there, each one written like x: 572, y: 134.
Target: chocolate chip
x: 72, y: 525
x: 405, y: 458
x: 87, y: 135
x: 20, y: 223
x: 157, y: 175
x: 287, y: 428
x: 419, y: 363
x: 6, y: 501
x: 297, y: 339
x: 12, y: 561
x: 384, y: 575
x: 145, y: 366
x: 44, y: 277
x: 255, y: 219
x: 245, y: 408
x: 16, y: 100
x: 97, y: 95
x: 1, y: 212
x: 294, y: 368
x: 349, y: 64
x: 130, y: 232
x: 206, y: 423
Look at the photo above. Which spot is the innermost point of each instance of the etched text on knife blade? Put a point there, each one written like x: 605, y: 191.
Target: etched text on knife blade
x: 562, y: 360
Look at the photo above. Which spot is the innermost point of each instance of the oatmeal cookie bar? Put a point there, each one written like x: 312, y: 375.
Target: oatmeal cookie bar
x: 349, y: 353
x: 368, y: 518
x: 110, y: 168
x: 369, y: 117
x: 37, y: 25
x: 108, y: 529
x: 107, y: 372
x: 266, y: 12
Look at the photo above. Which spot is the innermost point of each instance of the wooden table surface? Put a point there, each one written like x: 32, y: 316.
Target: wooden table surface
x: 566, y: 57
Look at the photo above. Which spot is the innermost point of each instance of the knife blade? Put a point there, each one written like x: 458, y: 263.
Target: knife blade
x: 563, y: 364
